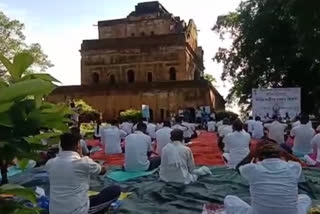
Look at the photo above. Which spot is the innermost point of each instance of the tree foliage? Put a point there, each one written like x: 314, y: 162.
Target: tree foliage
x: 12, y: 41
x: 275, y: 44
x: 86, y: 112
x: 210, y: 78
x: 25, y: 118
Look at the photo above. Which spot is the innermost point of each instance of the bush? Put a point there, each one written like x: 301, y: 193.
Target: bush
x: 86, y: 112
x: 131, y: 114
x: 226, y: 114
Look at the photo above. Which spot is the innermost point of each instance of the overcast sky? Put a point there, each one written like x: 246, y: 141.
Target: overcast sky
x: 61, y: 25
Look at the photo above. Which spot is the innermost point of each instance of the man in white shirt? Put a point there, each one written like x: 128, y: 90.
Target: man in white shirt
x: 126, y: 126
x: 273, y: 186
x: 303, y: 135
x: 151, y: 130
x: 211, y: 125
x: 298, y: 123
x: 236, y: 145
x: 177, y: 163
x: 138, y: 149
x: 250, y: 123
x: 69, y: 176
x: 223, y: 131
x: 258, y: 129
x: 163, y: 136
x: 315, y: 142
x: 276, y: 130
x: 183, y: 128
x: 111, y: 138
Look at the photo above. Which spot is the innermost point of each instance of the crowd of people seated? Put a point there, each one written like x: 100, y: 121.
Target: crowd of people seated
x: 273, y: 168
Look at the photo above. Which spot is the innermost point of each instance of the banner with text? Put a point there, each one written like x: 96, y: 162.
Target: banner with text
x: 282, y: 102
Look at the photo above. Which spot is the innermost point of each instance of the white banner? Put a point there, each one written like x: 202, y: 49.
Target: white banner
x: 284, y: 102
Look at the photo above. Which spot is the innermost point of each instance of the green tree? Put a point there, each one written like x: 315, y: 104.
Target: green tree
x: 210, y: 78
x: 275, y: 44
x: 25, y: 118
x: 12, y: 41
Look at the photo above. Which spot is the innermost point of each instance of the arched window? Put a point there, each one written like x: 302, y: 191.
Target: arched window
x: 95, y: 78
x: 142, y: 33
x: 112, y: 79
x: 132, y: 34
x: 152, y: 33
x: 149, y: 77
x: 130, y: 76
x: 173, y: 73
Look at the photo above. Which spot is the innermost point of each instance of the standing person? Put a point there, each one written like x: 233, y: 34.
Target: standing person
x: 303, y: 135
x: 211, y: 125
x: 111, y: 138
x: 138, y: 150
x: 69, y: 176
x: 126, y: 126
x: 250, y: 123
x: 97, y: 130
x: 75, y: 115
x: 177, y: 163
x: 151, y: 130
x: 273, y: 186
x: 258, y: 130
x: 236, y: 145
x: 163, y: 136
x: 276, y: 130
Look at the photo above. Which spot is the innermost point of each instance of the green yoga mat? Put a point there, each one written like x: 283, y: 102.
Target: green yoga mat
x: 122, y: 176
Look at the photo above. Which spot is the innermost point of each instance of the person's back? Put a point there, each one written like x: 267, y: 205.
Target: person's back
x: 177, y: 173
x: 237, y: 145
x: 316, y: 144
x: 69, y: 177
x: 151, y: 130
x: 225, y: 130
x: 127, y: 127
x: 250, y: 124
x: 112, y: 140
x: 69, y: 182
x: 276, y: 131
x: 303, y: 135
x: 273, y: 185
x: 258, y: 130
x: 211, y: 126
x: 163, y: 137
x: 137, y: 147
x: 177, y: 163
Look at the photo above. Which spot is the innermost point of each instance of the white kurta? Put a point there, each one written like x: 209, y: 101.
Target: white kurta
x: 276, y: 131
x: 111, y: 139
x: 163, y: 138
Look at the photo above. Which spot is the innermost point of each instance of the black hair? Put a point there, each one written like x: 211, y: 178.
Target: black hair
x: 250, y: 118
x: 177, y: 135
x: 114, y: 122
x: 166, y: 124
x: 304, y: 119
x: 141, y: 127
x: 237, y: 125
x: 69, y: 142
x: 258, y: 118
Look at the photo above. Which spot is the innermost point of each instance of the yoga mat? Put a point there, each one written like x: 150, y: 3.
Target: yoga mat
x: 121, y: 176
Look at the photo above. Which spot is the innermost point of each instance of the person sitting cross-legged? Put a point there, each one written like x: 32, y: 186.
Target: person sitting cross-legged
x: 177, y: 163
x: 138, y: 149
x: 69, y: 176
x: 163, y: 136
x: 273, y: 186
x: 237, y: 145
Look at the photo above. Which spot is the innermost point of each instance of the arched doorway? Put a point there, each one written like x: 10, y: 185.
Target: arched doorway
x: 112, y: 79
x: 172, y: 74
x: 149, y: 77
x: 130, y: 76
x: 151, y: 114
x: 95, y: 78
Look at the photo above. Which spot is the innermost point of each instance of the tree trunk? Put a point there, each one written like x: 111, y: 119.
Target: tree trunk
x: 4, y: 167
